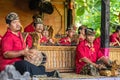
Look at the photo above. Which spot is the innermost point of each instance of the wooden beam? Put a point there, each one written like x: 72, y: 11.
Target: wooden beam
x: 105, y: 19
x: 69, y: 15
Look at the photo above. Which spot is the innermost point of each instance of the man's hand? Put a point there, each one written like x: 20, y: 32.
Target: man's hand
x: 25, y: 51
x: 101, y: 66
x: 30, y: 53
x: 95, y: 65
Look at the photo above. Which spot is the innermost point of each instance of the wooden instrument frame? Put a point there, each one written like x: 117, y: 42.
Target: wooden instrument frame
x: 62, y: 58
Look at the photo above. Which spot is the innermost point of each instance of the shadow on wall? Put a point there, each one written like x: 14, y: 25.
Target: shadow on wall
x: 22, y: 5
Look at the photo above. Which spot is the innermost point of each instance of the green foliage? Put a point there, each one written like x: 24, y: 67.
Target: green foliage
x: 88, y: 12
x: 114, y: 12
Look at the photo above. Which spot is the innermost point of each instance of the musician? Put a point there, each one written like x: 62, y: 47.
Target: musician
x: 88, y: 53
x: 81, y: 33
x: 30, y: 27
x: 49, y: 40
x: 115, y: 37
x: 69, y: 39
x: 14, y: 49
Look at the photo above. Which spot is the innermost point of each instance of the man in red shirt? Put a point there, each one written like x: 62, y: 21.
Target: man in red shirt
x: 88, y: 53
x: 14, y: 49
x: 12, y: 41
x: 30, y: 27
x: 69, y: 39
x: 115, y: 37
x: 38, y: 35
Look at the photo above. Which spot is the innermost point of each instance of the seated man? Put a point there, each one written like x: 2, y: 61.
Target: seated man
x: 38, y: 35
x: 69, y: 39
x: 30, y: 27
x: 46, y: 34
x: 14, y: 49
x: 81, y: 33
x: 115, y: 37
x: 88, y: 53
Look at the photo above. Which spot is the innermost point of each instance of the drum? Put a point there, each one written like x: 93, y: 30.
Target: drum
x: 37, y: 59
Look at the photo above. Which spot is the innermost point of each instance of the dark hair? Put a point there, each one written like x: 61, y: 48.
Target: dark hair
x: 118, y: 28
x: 34, y: 24
x: 81, y: 27
x: 8, y: 21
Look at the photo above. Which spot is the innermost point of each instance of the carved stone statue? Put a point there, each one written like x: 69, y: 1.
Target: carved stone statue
x: 10, y: 73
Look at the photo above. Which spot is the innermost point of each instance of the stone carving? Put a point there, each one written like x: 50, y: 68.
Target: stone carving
x: 10, y: 73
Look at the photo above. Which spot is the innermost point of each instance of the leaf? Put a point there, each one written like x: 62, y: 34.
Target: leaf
x: 98, y: 4
x: 80, y: 11
x: 80, y: 2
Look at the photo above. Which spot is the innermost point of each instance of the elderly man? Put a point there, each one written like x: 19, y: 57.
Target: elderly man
x: 14, y: 49
x: 88, y: 53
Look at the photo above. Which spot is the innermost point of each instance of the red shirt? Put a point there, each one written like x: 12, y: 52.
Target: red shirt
x: 114, y: 37
x: 81, y: 39
x: 11, y: 42
x: 83, y: 50
x: 43, y: 40
x: 29, y: 28
x: 65, y: 41
x: 98, y: 41
x: 0, y: 36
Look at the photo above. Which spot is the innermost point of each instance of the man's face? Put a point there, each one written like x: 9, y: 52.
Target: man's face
x: 46, y: 33
x: 71, y: 33
x: 82, y: 31
x: 39, y: 28
x: 15, y: 25
x: 90, y: 38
